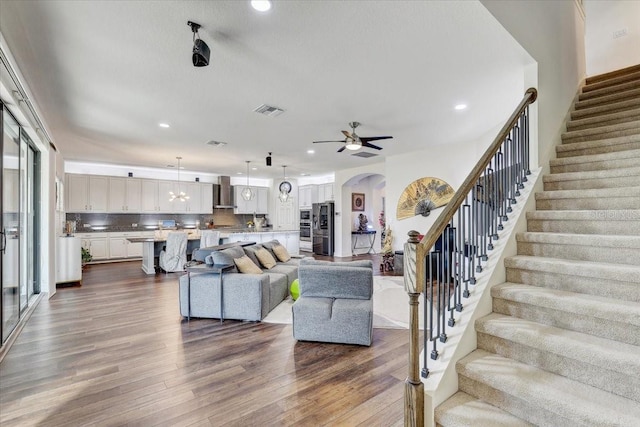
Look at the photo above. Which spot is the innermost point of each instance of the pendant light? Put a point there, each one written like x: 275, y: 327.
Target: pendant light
x: 247, y: 193
x: 181, y: 195
x: 285, y: 186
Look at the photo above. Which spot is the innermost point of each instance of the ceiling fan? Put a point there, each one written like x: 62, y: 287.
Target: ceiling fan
x: 355, y: 142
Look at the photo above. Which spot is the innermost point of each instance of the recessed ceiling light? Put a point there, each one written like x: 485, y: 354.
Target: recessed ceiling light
x: 461, y: 107
x: 238, y: 173
x: 254, y: 168
x: 311, y: 151
x: 261, y: 5
x: 304, y: 174
x: 164, y: 125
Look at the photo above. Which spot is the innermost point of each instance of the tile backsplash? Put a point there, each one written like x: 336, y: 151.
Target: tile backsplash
x: 86, y: 222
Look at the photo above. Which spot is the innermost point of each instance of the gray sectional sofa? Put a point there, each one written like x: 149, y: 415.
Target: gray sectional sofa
x: 335, y: 303
x: 245, y: 296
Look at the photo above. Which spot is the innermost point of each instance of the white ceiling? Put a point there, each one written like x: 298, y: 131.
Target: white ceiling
x: 105, y: 73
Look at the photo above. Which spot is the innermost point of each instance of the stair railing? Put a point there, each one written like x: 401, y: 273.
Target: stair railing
x: 443, y: 264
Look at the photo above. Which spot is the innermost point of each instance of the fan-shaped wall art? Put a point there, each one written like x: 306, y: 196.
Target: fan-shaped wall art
x: 422, y: 196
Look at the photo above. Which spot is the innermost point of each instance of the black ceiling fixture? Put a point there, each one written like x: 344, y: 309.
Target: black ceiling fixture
x: 268, y: 159
x: 355, y: 142
x: 201, y: 51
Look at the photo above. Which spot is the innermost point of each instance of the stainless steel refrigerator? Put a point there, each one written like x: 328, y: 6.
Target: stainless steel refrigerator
x: 323, y: 228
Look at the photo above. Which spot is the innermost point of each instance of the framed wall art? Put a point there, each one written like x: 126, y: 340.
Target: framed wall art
x: 357, y: 202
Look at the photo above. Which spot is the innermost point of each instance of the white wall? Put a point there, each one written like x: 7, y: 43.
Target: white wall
x: 605, y: 51
x: 552, y: 32
x: 450, y: 163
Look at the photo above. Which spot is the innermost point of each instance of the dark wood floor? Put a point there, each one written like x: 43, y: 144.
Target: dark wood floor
x: 115, y: 351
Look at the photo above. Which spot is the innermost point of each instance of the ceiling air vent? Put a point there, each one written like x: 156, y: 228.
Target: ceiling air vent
x: 216, y: 143
x: 269, y: 110
x: 364, y: 154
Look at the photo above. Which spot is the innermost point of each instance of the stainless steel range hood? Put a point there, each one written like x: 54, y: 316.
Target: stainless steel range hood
x: 223, y: 193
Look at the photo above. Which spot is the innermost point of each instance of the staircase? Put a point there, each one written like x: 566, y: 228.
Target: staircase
x: 562, y: 346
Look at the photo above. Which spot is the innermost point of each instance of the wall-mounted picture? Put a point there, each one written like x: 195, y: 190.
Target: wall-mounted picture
x: 357, y: 202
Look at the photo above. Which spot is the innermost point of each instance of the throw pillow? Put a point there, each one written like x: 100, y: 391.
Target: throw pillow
x: 265, y: 258
x: 281, y: 253
x: 246, y: 266
x: 220, y: 257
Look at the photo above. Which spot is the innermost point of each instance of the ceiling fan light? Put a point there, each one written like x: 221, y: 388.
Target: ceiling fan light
x: 353, y: 145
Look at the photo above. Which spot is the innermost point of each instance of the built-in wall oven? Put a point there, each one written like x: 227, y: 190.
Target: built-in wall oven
x: 305, y: 225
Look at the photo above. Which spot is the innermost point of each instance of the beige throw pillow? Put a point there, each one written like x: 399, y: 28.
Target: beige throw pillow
x: 246, y: 266
x: 265, y: 258
x: 281, y: 253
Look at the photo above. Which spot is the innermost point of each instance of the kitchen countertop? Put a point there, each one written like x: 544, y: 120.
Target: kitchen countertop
x: 222, y: 230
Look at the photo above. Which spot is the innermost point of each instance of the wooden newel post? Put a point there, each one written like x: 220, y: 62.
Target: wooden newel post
x: 413, y: 285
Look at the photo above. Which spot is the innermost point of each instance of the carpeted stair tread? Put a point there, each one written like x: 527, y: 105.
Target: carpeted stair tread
x: 601, y: 89
x: 599, y: 146
x: 600, y: 241
x: 627, y: 312
x: 599, y: 352
x: 617, y: 222
x: 608, y: 178
x: 607, y: 99
x: 463, y: 410
x: 592, y: 198
x: 612, y: 107
x: 604, y: 120
x: 614, y: 155
x: 631, y: 127
x: 612, y: 75
x: 544, y: 398
x: 619, y: 272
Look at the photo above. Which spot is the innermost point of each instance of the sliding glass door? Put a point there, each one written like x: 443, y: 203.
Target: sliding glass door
x: 18, y: 222
x: 10, y: 224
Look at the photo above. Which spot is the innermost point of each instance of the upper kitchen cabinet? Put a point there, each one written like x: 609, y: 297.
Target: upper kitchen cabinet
x: 206, y: 198
x: 325, y: 192
x: 149, y: 198
x: 87, y: 193
x: 125, y: 195
x: 307, y: 196
x: 259, y: 204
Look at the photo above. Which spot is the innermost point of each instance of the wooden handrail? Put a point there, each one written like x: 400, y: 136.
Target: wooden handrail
x: 458, y: 198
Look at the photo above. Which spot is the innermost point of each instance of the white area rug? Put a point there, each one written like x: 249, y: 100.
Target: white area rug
x: 390, y: 305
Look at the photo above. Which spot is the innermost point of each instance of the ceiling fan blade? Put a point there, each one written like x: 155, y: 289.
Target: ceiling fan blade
x: 319, y: 142
x: 366, y: 144
x: 341, y: 149
x: 374, y: 138
x: 347, y: 134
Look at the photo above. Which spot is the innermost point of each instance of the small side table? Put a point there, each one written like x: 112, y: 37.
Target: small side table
x: 215, y: 269
x: 354, y: 241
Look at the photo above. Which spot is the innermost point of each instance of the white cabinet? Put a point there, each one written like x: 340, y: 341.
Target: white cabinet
x: 68, y: 259
x: 96, y: 243
x: 125, y: 195
x: 87, y: 193
x: 149, y: 199
x: 121, y: 247
x: 262, y: 200
x: 194, y: 191
x: 325, y: 192
x: 259, y: 204
x: 307, y: 196
x: 206, y: 198
x: 164, y: 188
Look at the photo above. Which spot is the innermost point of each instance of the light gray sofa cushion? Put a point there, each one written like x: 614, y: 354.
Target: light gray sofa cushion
x: 246, y: 296
x: 336, y: 280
